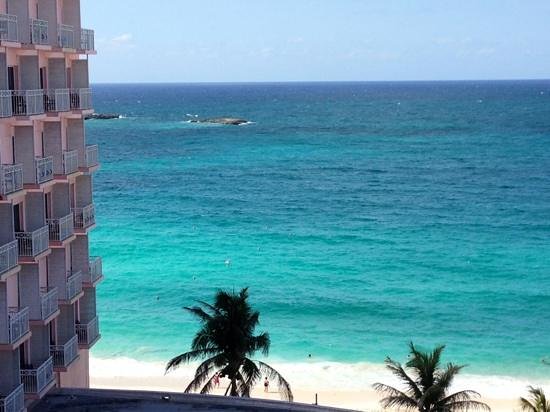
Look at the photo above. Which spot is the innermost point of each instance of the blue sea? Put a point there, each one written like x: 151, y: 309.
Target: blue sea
x: 361, y: 216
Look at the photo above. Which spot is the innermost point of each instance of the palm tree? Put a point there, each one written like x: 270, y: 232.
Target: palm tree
x: 427, y: 386
x: 537, y: 401
x: 226, y: 339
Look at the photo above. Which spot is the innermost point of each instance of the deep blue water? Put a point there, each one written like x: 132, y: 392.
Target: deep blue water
x: 361, y: 216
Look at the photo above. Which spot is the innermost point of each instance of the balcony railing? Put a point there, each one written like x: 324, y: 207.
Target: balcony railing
x: 11, y: 179
x: 65, y: 35
x: 96, y: 268
x: 39, y: 32
x: 36, y: 380
x: 31, y: 244
x: 8, y: 256
x: 84, y: 217
x: 81, y: 99
x: 92, y: 155
x: 14, y: 402
x: 18, y: 320
x: 27, y: 102
x: 8, y: 27
x: 87, y: 40
x: 62, y: 228
x: 44, y: 169
x: 70, y: 162
x: 48, y: 302
x: 74, y: 285
x: 56, y: 100
x: 87, y: 332
x: 63, y: 355
x: 6, y: 105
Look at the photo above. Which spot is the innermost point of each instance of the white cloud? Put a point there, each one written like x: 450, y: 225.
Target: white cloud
x: 123, y: 41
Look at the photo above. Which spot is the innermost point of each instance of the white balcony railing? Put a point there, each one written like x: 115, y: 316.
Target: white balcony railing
x: 31, y: 244
x: 87, y: 40
x: 48, y: 302
x: 87, y: 332
x: 8, y: 256
x: 65, y: 35
x: 14, y: 402
x: 96, y: 268
x: 11, y: 179
x: 81, y: 99
x: 62, y: 228
x: 18, y: 319
x: 39, y: 32
x: 84, y: 217
x: 92, y: 155
x: 36, y: 380
x: 70, y: 162
x: 56, y: 100
x: 44, y: 169
x: 27, y: 102
x: 63, y: 355
x: 6, y: 108
x: 74, y: 285
x: 8, y: 27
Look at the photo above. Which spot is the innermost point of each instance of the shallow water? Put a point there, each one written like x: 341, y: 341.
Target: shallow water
x: 361, y: 216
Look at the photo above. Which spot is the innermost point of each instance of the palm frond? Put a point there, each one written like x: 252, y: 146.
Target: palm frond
x: 447, y: 376
x: 394, y: 397
x: 527, y: 406
x: 397, y: 369
x: 199, y: 313
x: 261, y: 343
x: 203, y: 373
x: 466, y: 395
x: 186, y: 357
x: 467, y: 406
x: 250, y: 374
x: 282, y: 384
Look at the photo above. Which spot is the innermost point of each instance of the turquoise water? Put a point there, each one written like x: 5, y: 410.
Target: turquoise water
x: 361, y: 216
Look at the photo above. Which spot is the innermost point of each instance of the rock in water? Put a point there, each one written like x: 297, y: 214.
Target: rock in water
x: 102, y: 116
x: 221, y: 120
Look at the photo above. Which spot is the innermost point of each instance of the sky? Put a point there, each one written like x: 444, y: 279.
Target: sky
x: 317, y: 40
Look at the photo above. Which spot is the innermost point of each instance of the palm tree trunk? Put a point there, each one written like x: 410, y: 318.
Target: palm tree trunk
x: 234, y: 387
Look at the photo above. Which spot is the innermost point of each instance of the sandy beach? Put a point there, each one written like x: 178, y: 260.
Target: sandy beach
x: 336, y: 384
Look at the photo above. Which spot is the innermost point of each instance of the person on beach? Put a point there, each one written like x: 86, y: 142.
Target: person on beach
x: 266, y: 385
x: 217, y: 380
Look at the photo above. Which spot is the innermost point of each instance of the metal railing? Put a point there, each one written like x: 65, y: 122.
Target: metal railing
x: 65, y: 34
x: 92, y: 155
x: 18, y: 323
x: 48, y: 302
x: 87, y: 332
x: 8, y: 256
x: 56, y: 100
x: 81, y: 99
x: 36, y: 380
x: 44, y: 169
x: 11, y: 179
x: 39, y: 31
x: 70, y: 162
x: 84, y: 217
x: 14, y: 402
x: 96, y: 268
x: 6, y: 105
x: 27, y: 102
x: 63, y: 355
x: 74, y: 285
x: 87, y: 40
x: 8, y: 27
x: 62, y: 228
x: 32, y: 244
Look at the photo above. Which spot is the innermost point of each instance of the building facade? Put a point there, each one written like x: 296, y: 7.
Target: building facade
x: 48, y: 279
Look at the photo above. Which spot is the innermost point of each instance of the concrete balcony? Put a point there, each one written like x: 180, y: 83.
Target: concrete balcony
x: 18, y: 328
x: 44, y: 169
x: 32, y: 244
x: 61, y: 229
x: 64, y: 355
x: 14, y: 401
x: 8, y: 258
x: 65, y: 36
x: 56, y: 100
x: 37, y: 381
x: 84, y: 217
x: 71, y: 290
x: 87, y: 40
x: 96, y: 270
x: 81, y: 99
x: 39, y: 32
x: 11, y: 179
x: 8, y: 28
x: 27, y: 102
x: 88, y: 333
x: 49, y: 305
x: 70, y: 162
x: 92, y: 156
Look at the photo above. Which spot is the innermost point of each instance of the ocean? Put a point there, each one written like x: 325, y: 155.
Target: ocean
x: 361, y: 216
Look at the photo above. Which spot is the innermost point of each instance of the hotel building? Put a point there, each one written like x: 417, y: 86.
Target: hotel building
x: 48, y: 279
